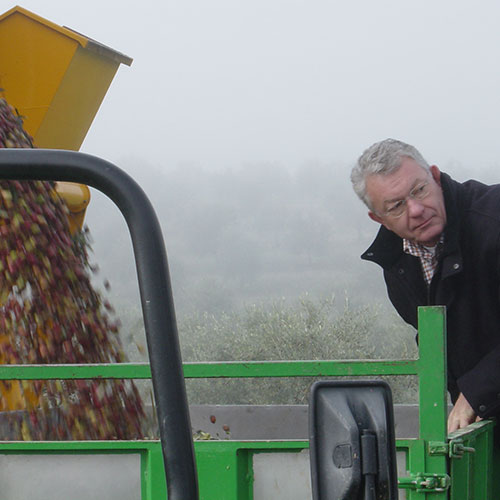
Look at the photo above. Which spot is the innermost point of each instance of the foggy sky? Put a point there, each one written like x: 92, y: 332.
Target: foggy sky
x: 222, y: 83
x: 227, y: 84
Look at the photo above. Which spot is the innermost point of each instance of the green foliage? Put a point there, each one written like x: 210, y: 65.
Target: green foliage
x: 309, y: 329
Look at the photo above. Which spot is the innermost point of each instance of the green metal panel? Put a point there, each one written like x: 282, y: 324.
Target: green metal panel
x: 432, y: 374
x: 432, y: 386
x: 153, y: 486
x: 87, y: 371
x: 247, y: 369
x: 225, y: 467
x: 214, y: 456
x: 234, y: 369
x: 222, y: 471
x: 496, y: 472
x: 471, y: 471
x: 415, y: 462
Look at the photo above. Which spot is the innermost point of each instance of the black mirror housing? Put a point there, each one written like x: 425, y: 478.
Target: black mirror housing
x: 352, y: 441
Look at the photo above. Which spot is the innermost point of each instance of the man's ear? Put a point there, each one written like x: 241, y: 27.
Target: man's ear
x: 375, y: 217
x: 436, y: 174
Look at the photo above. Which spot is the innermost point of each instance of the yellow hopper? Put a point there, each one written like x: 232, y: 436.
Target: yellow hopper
x: 56, y: 78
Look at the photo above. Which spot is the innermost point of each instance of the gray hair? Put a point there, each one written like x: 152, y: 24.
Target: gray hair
x: 382, y: 158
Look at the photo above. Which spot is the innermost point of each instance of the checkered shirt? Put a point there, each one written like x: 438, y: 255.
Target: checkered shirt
x: 428, y: 258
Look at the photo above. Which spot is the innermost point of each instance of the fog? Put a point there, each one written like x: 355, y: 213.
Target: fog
x: 244, y: 236
x: 222, y: 83
x: 241, y: 120
x: 250, y: 235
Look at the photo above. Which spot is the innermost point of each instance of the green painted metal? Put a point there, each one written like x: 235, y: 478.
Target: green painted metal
x: 432, y: 388
x: 234, y: 369
x: 153, y: 486
x: 496, y: 468
x: 299, y: 368
x: 453, y: 449
x: 415, y: 462
x: 472, y: 472
x: 426, y: 483
x: 83, y: 447
x: 87, y: 371
x: 225, y: 467
x: 432, y: 374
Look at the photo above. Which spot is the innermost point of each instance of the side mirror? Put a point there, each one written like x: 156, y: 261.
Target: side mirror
x: 351, y: 440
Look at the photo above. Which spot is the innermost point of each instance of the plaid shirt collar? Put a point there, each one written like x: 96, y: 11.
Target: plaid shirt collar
x: 428, y: 256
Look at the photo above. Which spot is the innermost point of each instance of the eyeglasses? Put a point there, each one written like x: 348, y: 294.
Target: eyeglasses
x: 398, y: 208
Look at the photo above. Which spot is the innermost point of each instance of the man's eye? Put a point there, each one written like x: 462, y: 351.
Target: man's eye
x: 395, y: 206
x: 420, y: 191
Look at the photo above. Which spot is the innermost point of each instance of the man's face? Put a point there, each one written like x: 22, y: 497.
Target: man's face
x: 424, y: 220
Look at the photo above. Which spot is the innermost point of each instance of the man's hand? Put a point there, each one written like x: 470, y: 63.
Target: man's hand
x: 461, y: 415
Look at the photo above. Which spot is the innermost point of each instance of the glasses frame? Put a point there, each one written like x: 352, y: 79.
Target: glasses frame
x: 411, y: 195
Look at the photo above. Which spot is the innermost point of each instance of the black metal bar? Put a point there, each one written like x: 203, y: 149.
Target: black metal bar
x: 155, y: 289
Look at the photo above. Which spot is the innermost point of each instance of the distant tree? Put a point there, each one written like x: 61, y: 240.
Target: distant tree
x: 310, y: 329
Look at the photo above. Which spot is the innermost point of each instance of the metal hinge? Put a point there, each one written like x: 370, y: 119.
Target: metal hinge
x: 454, y: 449
x: 425, y: 483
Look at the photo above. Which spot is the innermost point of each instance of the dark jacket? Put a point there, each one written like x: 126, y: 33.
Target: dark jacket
x: 467, y: 282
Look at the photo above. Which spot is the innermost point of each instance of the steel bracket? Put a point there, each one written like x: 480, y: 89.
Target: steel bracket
x: 425, y: 483
x: 453, y: 449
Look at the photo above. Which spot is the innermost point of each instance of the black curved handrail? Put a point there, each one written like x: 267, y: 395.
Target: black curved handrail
x: 155, y: 290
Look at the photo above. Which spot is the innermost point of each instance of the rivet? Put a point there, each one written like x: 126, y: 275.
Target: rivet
x: 482, y: 408
x: 456, y: 265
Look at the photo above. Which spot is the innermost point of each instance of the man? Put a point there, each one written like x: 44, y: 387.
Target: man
x: 439, y: 244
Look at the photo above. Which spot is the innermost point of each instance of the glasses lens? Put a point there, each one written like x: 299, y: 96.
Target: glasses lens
x: 420, y: 192
x: 397, y: 209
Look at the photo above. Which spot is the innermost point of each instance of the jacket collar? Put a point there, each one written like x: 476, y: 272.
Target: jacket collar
x: 387, y: 248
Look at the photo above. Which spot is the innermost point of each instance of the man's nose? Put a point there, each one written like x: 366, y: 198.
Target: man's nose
x: 414, y: 207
